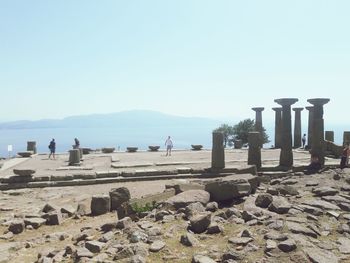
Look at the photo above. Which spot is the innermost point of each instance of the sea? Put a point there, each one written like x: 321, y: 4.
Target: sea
x: 118, y: 137
x: 97, y: 138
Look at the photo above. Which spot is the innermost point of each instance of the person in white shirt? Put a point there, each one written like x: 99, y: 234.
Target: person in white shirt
x: 169, y: 146
x: 304, y: 140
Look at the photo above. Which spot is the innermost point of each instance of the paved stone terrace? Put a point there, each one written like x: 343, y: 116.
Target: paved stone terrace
x: 122, y: 161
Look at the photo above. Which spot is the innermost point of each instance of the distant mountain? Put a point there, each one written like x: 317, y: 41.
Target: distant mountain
x: 128, y: 119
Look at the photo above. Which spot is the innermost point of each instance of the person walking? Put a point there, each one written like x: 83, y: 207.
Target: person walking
x: 169, y: 146
x: 344, y: 162
x: 304, y: 140
x: 52, y: 147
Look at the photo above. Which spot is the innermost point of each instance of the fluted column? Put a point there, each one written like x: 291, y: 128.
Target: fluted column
x: 286, y: 155
x: 297, y: 127
x: 309, y: 126
x: 258, y: 123
x: 278, y: 126
x: 318, y: 145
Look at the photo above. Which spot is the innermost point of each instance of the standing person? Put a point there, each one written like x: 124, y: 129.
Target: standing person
x: 345, y: 156
x: 169, y: 146
x: 52, y: 147
x: 304, y: 140
x: 76, y: 144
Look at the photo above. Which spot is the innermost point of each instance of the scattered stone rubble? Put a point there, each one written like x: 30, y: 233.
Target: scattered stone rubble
x: 231, y: 219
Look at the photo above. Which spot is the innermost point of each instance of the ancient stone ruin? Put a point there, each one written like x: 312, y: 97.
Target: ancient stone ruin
x: 218, y: 151
x: 31, y: 146
x: 318, y: 146
x: 329, y: 136
x: 297, y: 127
x: 258, y: 122
x: 278, y: 126
x: 286, y: 156
x: 254, y: 151
x: 310, y: 126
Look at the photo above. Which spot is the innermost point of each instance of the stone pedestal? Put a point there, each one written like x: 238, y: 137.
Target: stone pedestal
x: 297, y: 127
x: 346, y: 137
x: 254, y: 151
x: 31, y: 146
x: 286, y: 155
x: 318, y: 145
x: 278, y: 126
x: 329, y: 136
x: 218, y: 151
x: 258, y: 123
x: 238, y: 144
x: 74, y: 157
x: 309, y: 126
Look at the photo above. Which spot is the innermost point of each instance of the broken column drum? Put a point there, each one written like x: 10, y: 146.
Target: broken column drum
x: 286, y: 155
x: 297, y: 127
x: 254, y: 151
x: 346, y: 137
x: 318, y: 145
x: 218, y: 151
x: 329, y: 136
x: 278, y: 126
x: 31, y: 146
x: 74, y: 157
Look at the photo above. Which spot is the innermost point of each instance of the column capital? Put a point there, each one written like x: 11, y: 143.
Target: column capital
x: 286, y: 101
x: 309, y: 108
x: 258, y: 109
x: 277, y: 109
x: 298, y: 109
x: 318, y: 101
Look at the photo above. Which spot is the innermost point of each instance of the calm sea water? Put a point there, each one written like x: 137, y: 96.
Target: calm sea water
x: 103, y: 137
x: 95, y: 138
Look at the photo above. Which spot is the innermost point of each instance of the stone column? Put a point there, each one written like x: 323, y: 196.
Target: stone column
x: 346, y: 137
x: 258, y: 122
x: 329, y: 135
x: 218, y: 151
x: 254, y: 151
x: 318, y: 145
x: 74, y: 157
x: 278, y: 126
x: 286, y: 155
x: 31, y: 146
x: 297, y: 127
x: 309, y: 126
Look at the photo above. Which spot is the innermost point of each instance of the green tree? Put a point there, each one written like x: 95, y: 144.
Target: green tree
x: 241, y: 130
x: 227, y: 130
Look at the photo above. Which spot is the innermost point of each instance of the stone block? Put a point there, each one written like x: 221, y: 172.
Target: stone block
x: 100, y: 204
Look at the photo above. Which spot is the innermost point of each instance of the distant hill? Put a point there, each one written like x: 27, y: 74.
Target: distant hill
x: 129, y: 119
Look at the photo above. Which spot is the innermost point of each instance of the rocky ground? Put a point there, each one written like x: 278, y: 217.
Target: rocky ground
x: 288, y: 217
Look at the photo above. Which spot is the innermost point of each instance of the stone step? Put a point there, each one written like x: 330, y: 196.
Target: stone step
x: 78, y: 182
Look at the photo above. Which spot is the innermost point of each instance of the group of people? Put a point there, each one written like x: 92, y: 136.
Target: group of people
x: 52, y: 146
x: 315, y: 165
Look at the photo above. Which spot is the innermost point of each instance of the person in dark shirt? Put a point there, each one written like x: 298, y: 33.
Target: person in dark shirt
x: 52, y: 147
x: 76, y: 144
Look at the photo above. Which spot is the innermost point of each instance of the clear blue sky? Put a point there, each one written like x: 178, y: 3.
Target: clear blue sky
x: 191, y: 58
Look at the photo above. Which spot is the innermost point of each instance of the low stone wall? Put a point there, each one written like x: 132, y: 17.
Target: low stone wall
x: 333, y: 149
